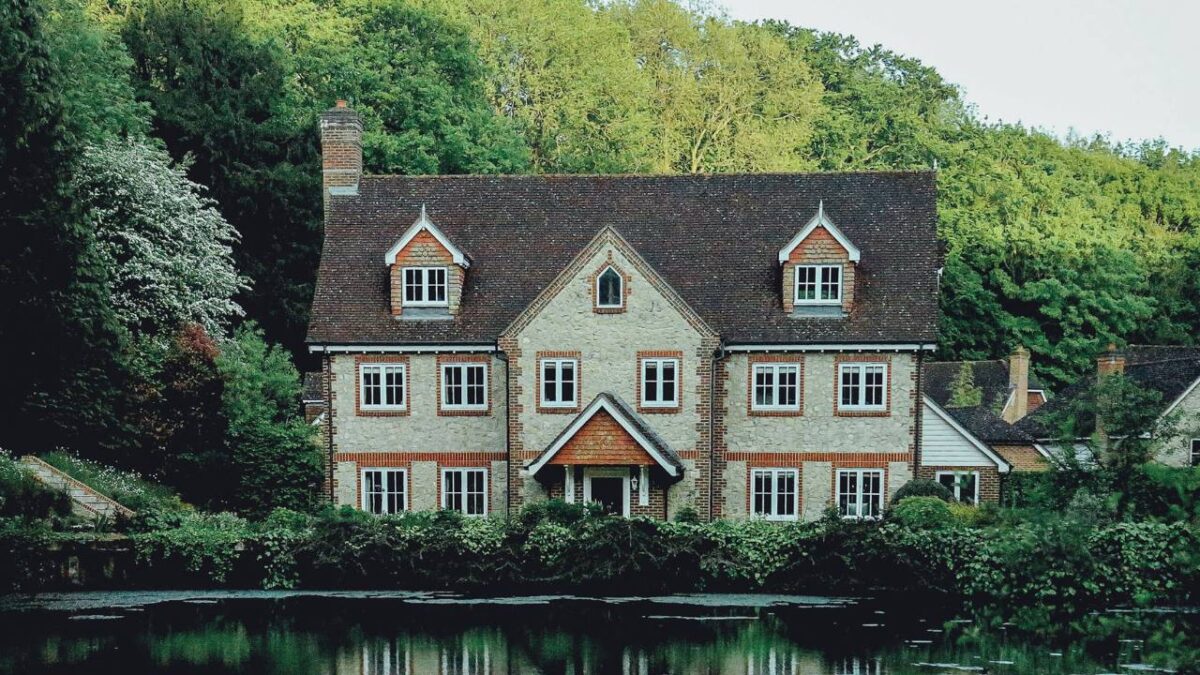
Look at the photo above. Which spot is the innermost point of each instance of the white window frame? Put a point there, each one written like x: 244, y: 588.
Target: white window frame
x: 956, y: 490
x: 382, y: 369
x: 819, y: 283
x: 465, y: 365
x: 465, y: 471
x: 365, y: 496
x: 862, y: 368
x: 620, y: 289
x: 425, y: 287
x: 774, y: 369
x: 658, y: 362
x: 558, y: 364
x: 859, y: 493
x: 1194, y: 452
x: 774, y: 475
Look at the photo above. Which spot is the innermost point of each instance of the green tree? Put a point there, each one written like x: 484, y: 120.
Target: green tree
x: 58, y: 331
x: 963, y: 392
x: 726, y: 96
x: 273, y: 459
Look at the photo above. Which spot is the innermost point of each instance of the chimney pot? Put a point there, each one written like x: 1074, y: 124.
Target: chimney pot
x: 341, y: 103
x: 1110, y: 362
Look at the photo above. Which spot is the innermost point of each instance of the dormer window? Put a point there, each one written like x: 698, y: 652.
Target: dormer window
x: 425, y: 287
x: 818, y: 284
x: 610, y: 289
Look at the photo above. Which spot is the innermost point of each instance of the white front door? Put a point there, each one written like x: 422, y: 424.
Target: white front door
x: 608, y: 486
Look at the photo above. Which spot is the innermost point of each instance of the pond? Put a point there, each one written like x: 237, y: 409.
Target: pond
x: 395, y: 633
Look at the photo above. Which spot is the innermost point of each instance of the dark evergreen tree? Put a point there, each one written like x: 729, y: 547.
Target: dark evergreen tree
x: 60, y: 339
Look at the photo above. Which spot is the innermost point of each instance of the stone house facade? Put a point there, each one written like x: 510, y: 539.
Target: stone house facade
x: 737, y: 346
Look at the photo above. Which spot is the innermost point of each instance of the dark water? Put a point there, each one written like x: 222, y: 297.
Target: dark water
x: 400, y: 634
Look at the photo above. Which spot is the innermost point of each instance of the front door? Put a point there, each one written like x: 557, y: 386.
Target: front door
x: 609, y: 492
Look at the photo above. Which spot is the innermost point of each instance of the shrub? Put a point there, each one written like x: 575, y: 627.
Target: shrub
x: 687, y: 515
x: 922, y: 513
x: 922, y: 487
x: 201, y: 545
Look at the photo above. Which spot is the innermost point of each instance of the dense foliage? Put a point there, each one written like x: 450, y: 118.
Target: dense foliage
x: 1041, y: 573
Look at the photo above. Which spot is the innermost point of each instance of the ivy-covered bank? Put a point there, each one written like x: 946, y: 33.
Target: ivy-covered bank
x: 1040, y: 575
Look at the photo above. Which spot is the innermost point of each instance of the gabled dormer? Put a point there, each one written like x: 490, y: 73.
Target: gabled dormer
x: 426, y: 272
x: 819, y: 266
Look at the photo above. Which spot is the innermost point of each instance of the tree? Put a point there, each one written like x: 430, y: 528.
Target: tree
x: 167, y: 248
x: 566, y: 76
x: 58, y: 333
x: 273, y: 459
x: 963, y: 392
x: 725, y: 96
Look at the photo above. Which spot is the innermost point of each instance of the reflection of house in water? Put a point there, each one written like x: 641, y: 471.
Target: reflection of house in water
x: 466, y: 654
x: 855, y: 665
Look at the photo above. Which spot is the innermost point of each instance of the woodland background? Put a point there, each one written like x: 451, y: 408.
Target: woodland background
x: 160, y: 191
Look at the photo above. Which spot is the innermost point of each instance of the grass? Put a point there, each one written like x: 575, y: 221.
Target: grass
x: 125, y: 487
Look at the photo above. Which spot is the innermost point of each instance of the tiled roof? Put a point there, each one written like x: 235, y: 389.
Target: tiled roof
x: 984, y: 420
x: 715, y: 239
x: 1166, y: 369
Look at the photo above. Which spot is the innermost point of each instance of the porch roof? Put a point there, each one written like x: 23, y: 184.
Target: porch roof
x: 610, y: 415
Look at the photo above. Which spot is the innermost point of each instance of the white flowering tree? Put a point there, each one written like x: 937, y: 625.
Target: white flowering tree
x: 168, y: 251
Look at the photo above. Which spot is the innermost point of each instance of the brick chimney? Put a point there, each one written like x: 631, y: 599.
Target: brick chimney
x: 1111, y: 362
x: 341, y: 151
x: 1018, y: 384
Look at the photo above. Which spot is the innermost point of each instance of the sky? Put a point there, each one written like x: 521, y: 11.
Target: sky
x: 1127, y: 69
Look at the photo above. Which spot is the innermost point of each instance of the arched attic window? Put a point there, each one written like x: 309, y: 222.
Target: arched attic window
x: 610, y: 289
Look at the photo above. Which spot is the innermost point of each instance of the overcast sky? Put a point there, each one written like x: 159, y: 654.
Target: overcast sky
x: 1126, y: 68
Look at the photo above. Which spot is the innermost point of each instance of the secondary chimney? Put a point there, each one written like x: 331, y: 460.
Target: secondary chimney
x: 341, y: 151
x: 1018, y: 384
x: 1111, y: 362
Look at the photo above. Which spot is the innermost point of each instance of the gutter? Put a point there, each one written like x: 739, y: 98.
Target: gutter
x: 423, y: 348
x: 833, y: 347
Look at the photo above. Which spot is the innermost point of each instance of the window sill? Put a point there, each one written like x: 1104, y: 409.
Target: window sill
x: 465, y: 412
x: 608, y: 310
x: 659, y: 409
x: 382, y: 412
x: 863, y: 412
x: 558, y: 409
x: 776, y: 412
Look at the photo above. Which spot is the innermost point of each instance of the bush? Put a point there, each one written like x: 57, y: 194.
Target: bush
x: 922, y: 513
x: 922, y: 487
x: 23, y: 495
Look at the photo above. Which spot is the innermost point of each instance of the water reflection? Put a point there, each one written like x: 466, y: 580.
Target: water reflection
x: 340, y: 636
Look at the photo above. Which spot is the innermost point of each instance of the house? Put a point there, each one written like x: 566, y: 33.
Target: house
x: 1172, y: 372
x: 737, y: 345
x: 976, y: 403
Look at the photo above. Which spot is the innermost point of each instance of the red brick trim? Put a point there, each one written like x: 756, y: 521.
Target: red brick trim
x: 774, y: 358
x: 404, y: 460
x: 988, y: 478
x: 679, y: 384
x: 360, y: 359
x: 837, y: 384
x: 626, y: 278
x: 358, y: 491
x: 449, y: 359
x: 537, y: 380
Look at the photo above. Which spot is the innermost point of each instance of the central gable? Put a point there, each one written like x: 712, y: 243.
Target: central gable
x: 646, y: 300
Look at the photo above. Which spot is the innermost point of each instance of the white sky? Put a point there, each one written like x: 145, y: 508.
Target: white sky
x: 1129, y: 69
